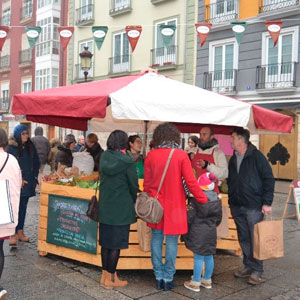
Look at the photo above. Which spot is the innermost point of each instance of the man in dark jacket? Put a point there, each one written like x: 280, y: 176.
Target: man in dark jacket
x: 42, y: 146
x: 251, y: 188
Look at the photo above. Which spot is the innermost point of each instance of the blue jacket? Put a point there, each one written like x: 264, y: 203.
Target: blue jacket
x: 29, y: 164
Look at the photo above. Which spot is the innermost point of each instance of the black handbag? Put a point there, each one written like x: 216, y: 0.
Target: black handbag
x: 93, y: 208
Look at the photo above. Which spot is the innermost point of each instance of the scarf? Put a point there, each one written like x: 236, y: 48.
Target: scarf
x: 169, y: 145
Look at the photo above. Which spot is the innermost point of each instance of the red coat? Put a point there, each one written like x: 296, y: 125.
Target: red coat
x: 172, y: 195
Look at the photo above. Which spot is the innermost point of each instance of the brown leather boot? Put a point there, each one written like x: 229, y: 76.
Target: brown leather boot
x: 109, y: 281
x: 22, y: 236
x: 13, y: 240
x: 119, y: 282
x: 103, y: 277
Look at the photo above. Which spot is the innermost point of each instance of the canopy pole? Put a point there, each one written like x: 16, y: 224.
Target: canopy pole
x: 145, y: 138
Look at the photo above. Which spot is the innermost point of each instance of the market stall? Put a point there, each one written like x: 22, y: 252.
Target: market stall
x: 64, y: 229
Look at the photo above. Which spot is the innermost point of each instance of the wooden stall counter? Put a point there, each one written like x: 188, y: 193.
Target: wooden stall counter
x: 65, y: 230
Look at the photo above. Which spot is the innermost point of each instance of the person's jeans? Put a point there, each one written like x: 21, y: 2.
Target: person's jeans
x: 22, y: 212
x: 198, y: 267
x: 162, y: 270
x: 245, y: 218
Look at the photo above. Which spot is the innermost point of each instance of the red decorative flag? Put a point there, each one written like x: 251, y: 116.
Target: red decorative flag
x: 274, y: 28
x: 133, y: 34
x: 3, y: 35
x: 203, y: 30
x: 65, y: 34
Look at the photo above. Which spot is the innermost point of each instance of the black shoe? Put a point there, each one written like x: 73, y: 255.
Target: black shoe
x: 169, y: 285
x: 243, y: 273
x: 160, y: 284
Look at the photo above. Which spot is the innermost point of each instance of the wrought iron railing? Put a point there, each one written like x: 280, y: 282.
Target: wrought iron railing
x: 79, y: 72
x: 220, y: 81
x: 222, y: 11
x: 119, y: 6
x: 276, y: 75
x: 4, y: 104
x: 25, y: 56
x: 5, y: 62
x: 26, y: 11
x: 85, y: 14
x: 271, y: 5
x: 119, y: 64
x: 164, y: 56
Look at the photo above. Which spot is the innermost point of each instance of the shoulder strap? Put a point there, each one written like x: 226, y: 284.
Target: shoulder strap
x: 165, y: 171
x: 4, y: 163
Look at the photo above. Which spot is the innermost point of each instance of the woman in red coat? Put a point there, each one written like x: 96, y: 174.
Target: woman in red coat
x: 172, y: 198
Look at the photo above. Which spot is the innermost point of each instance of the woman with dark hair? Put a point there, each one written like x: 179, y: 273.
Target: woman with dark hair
x: 64, y: 154
x: 172, y: 197
x: 134, y: 151
x: 192, y: 144
x: 11, y: 172
x: 22, y: 148
x: 93, y: 147
x: 119, y: 187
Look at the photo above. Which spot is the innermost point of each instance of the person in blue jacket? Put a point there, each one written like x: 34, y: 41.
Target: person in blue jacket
x: 20, y: 146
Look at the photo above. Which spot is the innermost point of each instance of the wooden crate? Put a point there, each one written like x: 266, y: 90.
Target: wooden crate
x: 131, y: 258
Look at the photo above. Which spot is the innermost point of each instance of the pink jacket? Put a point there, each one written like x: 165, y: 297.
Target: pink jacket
x: 11, y: 172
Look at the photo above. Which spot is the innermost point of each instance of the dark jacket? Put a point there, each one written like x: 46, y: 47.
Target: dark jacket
x: 203, y: 220
x: 253, y: 186
x: 64, y: 157
x: 42, y: 145
x: 29, y: 164
x: 119, y: 187
x: 96, y: 152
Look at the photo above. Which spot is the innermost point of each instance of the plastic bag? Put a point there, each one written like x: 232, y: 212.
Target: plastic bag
x: 84, y: 162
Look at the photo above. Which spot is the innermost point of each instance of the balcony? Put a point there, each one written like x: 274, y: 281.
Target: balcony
x: 165, y: 57
x: 4, y: 63
x: 85, y: 15
x: 119, y: 64
x: 158, y: 1
x: 223, y: 81
x: 25, y: 58
x: 79, y: 76
x: 272, y: 5
x: 276, y: 76
x: 222, y: 11
x: 26, y: 13
x: 4, y: 104
x: 118, y: 7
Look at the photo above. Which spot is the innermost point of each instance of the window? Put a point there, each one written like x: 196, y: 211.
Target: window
x: 86, y: 9
x: 121, y: 56
x: 49, y: 38
x: 43, y: 3
x: 121, y: 4
x: 278, y: 62
x: 26, y: 86
x: 222, y: 10
x: 90, y: 45
x: 6, y: 17
x: 4, y: 96
x: 165, y: 54
x: 223, y: 63
x: 46, y: 78
x: 27, y: 9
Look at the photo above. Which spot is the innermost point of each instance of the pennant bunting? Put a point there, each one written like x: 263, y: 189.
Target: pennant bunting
x: 274, y: 28
x: 33, y: 35
x: 167, y: 32
x: 65, y: 34
x: 99, y: 33
x: 3, y: 35
x: 203, y: 30
x: 239, y: 29
x: 133, y: 34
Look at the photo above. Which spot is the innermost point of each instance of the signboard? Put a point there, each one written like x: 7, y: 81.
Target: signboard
x: 292, y: 206
x: 69, y: 226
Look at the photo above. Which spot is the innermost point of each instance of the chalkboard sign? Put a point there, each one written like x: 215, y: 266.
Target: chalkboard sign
x: 69, y: 226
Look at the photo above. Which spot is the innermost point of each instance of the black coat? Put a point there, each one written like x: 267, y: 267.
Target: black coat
x: 253, y: 186
x: 64, y: 157
x: 96, y: 152
x: 203, y: 220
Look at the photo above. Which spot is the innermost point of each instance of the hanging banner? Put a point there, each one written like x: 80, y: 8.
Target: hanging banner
x: 133, y: 34
x: 167, y: 32
x: 33, y: 35
x: 3, y: 35
x: 239, y: 29
x: 203, y: 30
x: 65, y: 34
x: 274, y: 28
x: 99, y: 33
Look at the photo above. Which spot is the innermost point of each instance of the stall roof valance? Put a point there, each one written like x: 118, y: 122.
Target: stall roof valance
x: 146, y: 97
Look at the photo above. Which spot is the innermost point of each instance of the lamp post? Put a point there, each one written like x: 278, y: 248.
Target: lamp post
x: 85, y: 61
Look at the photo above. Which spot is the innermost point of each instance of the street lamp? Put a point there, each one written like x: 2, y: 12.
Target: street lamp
x: 85, y: 61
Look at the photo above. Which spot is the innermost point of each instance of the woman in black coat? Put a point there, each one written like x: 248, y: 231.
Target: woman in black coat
x: 201, y: 238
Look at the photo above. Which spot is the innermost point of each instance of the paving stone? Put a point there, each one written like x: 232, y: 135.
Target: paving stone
x: 228, y: 280
x: 169, y: 295
x: 290, y: 295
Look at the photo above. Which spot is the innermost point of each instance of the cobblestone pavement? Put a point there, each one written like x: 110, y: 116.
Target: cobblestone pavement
x: 28, y: 276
